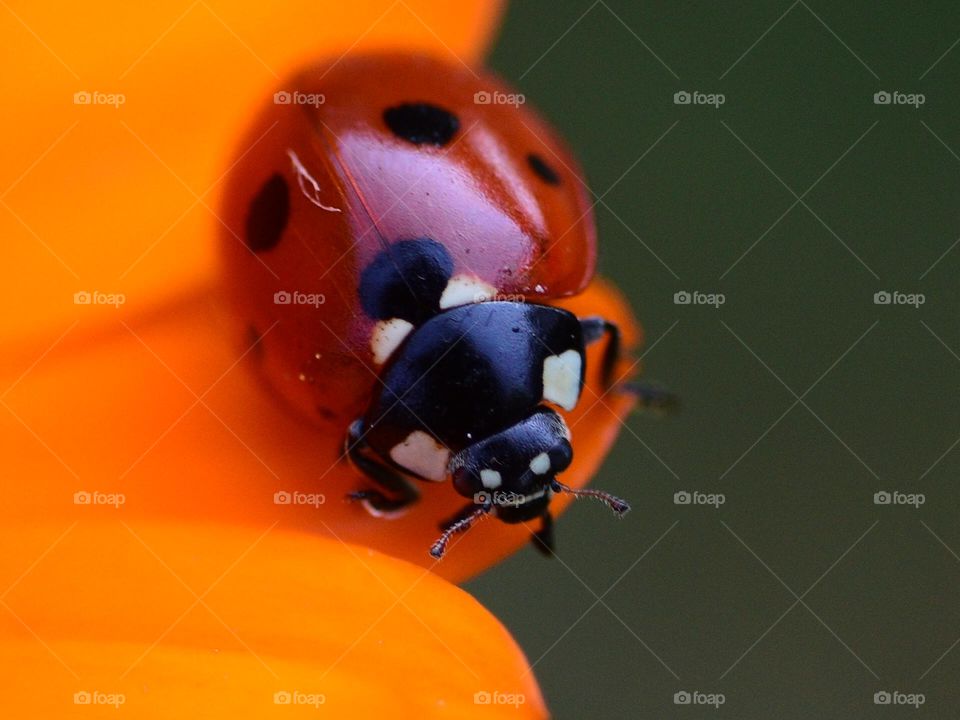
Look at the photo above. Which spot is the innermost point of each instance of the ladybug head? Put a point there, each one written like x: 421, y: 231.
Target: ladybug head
x: 511, y: 471
x: 513, y: 474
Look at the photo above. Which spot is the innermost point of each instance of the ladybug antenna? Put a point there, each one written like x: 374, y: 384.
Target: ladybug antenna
x: 620, y: 507
x: 462, y: 525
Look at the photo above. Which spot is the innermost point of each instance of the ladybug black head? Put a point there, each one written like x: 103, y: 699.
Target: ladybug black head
x: 511, y: 472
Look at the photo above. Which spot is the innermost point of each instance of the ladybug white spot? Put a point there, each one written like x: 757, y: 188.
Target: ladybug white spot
x: 423, y: 455
x: 491, y: 479
x: 561, y: 379
x: 387, y: 335
x: 466, y: 289
x: 540, y: 464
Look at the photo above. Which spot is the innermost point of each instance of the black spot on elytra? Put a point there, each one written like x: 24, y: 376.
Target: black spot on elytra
x: 421, y: 123
x: 406, y: 281
x: 326, y: 413
x: 268, y: 214
x: 543, y: 171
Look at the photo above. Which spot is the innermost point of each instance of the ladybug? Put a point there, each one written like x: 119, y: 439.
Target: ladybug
x: 396, y: 227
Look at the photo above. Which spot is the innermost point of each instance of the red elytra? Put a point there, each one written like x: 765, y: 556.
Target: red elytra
x: 327, y: 176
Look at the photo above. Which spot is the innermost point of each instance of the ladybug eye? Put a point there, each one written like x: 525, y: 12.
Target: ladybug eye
x: 543, y: 171
x: 268, y: 215
x: 406, y: 281
x: 421, y: 123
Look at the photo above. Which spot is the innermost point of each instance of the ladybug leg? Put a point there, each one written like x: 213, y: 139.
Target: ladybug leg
x: 543, y: 539
x: 594, y: 329
x: 652, y: 397
x: 400, y: 492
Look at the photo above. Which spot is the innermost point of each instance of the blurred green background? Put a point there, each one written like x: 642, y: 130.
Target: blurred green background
x: 798, y: 199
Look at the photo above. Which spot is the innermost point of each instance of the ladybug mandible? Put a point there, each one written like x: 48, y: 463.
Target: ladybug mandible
x: 395, y: 233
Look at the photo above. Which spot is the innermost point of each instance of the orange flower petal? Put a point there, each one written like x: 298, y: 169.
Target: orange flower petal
x: 116, y: 197
x: 219, y: 622
x: 151, y: 400
x: 159, y: 406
